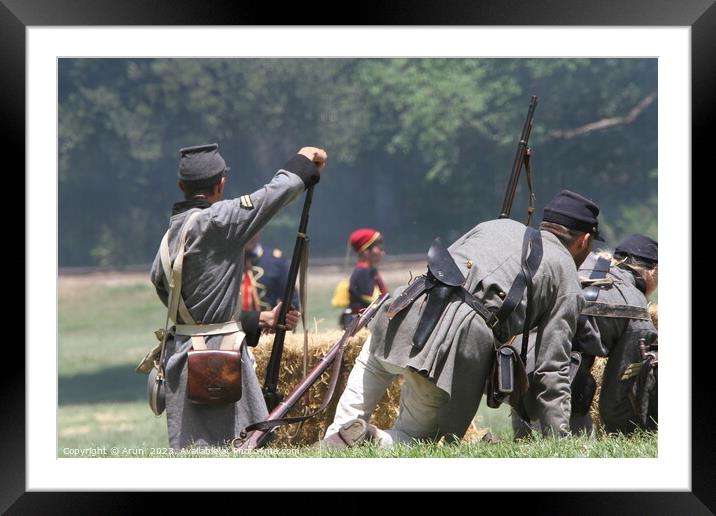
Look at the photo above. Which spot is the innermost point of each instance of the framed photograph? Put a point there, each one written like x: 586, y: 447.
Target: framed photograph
x: 38, y: 35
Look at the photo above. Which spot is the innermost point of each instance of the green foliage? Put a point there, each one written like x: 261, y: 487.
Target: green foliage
x: 417, y: 147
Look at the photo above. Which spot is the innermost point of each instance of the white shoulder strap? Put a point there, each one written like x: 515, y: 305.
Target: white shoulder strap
x: 170, y: 277
x: 175, y: 278
x: 233, y: 336
x: 174, y: 284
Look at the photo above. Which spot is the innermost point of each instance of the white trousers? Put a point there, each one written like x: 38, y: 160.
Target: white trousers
x: 370, y: 378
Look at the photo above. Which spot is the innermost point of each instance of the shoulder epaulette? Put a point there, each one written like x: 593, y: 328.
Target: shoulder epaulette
x: 245, y: 202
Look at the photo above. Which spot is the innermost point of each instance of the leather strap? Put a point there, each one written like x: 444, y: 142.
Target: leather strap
x: 528, y: 173
x: 532, y: 243
x: 477, y: 305
x: 230, y: 341
x: 303, y: 295
x: 174, y: 284
x: 207, y: 329
x: 176, y: 272
x: 530, y: 266
x: 410, y: 294
x: 600, y: 270
x: 531, y: 258
x: 167, y: 267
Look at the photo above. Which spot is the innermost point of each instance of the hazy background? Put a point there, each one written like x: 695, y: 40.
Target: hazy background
x: 418, y: 148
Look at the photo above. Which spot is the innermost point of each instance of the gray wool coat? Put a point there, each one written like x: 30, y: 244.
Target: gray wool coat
x: 460, y: 351
x: 617, y: 338
x: 211, y: 282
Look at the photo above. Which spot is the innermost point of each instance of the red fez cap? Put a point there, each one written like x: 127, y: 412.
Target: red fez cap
x: 361, y: 239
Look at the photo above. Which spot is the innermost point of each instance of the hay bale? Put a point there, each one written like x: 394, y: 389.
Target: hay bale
x: 654, y: 313
x: 474, y: 433
x: 291, y: 374
x: 598, y: 372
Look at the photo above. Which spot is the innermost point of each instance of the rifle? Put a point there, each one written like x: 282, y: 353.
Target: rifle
x: 502, y: 381
x: 256, y: 435
x: 522, y: 157
x: 271, y: 396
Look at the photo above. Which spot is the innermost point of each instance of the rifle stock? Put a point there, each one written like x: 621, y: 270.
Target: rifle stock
x: 256, y: 435
x: 520, y: 156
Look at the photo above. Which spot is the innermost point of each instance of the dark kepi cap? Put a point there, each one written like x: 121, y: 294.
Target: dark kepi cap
x: 574, y: 212
x: 201, y: 165
x: 640, y: 247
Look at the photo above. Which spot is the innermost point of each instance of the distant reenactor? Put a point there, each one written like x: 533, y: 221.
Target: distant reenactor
x: 265, y: 277
x: 365, y: 284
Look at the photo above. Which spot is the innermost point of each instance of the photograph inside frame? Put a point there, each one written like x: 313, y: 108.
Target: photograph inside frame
x: 468, y: 247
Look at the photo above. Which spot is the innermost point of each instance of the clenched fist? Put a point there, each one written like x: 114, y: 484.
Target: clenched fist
x: 318, y: 156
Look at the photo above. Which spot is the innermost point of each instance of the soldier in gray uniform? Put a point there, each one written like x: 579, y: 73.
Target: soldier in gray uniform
x: 496, y: 281
x: 210, y: 284
x: 613, y: 324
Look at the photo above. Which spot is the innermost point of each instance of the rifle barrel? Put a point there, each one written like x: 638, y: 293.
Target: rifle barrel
x: 518, y: 161
x: 271, y: 395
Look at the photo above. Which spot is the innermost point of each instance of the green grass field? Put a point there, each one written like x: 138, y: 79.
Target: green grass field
x: 105, y: 328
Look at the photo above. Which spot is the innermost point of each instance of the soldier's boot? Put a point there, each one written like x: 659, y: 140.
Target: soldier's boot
x: 349, y: 434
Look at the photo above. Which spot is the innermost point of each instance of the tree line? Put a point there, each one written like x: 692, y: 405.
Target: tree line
x: 417, y: 147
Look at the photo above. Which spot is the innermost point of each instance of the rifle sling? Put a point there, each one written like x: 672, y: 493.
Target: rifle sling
x: 303, y: 293
x: 531, y: 265
x: 532, y: 241
x: 528, y: 173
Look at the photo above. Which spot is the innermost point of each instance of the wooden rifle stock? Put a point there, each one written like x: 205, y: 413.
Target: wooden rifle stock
x: 255, y: 438
x: 271, y: 395
x: 520, y: 157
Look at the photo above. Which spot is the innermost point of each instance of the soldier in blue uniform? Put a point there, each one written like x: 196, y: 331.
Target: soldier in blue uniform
x: 265, y: 277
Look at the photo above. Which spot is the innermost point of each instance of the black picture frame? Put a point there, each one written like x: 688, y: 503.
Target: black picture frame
x: 17, y: 15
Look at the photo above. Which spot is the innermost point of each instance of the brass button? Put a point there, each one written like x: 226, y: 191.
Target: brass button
x: 469, y: 264
x: 501, y: 295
